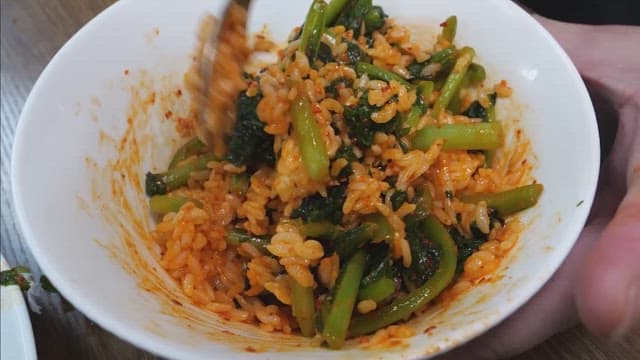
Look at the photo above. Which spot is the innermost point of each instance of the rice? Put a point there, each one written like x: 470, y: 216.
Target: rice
x: 292, y: 183
x: 366, y: 306
x: 254, y: 207
x: 363, y: 193
x: 296, y: 254
x: 413, y: 164
x: 328, y: 270
x: 260, y: 271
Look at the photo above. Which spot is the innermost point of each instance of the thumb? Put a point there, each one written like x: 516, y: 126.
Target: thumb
x: 608, y: 288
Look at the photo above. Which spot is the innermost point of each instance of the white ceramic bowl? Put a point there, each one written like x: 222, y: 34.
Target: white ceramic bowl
x: 15, y: 328
x: 77, y: 165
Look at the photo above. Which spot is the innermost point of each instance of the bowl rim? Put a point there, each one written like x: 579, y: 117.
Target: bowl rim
x: 151, y: 342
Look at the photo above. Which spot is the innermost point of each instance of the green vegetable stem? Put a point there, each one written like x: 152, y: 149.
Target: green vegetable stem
x: 451, y: 86
x: 378, y: 290
x: 160, y: 184
x: 239, y: 236
x: 403, y: 307
x: 346, y: 291
x: 192, y: 147
x: 348, y: 242
x: 162, y: 204
x: 314, y: 154
x: 303, y: 307
x: 333, y: 10
x: 449, y: 28
x: 423, y: 91
x: 379, y: 73
x: 510, y: 201
x: 472, y: 136
x: 313, y: 28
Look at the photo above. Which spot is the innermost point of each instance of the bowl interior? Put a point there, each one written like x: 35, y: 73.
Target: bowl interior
x: 98, y: 119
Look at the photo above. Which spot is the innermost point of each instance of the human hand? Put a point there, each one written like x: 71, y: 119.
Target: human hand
x: 599, y: 282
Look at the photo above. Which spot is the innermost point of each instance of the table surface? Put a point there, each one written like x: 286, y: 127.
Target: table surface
x: 32, y: 32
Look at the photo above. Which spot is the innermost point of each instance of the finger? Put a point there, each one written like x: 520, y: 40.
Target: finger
x: 608, y: 290
x: 607, y: 43
x: 608, y: 197
x: 550, y: 311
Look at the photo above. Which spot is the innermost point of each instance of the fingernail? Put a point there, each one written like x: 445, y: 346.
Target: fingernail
x: 632, y: 314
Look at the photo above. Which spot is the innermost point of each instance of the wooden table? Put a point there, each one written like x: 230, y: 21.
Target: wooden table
x: 32, y: 31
